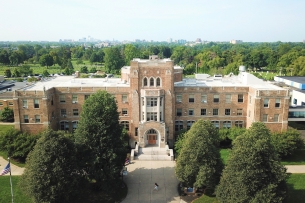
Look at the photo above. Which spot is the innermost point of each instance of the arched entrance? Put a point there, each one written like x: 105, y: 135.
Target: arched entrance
x: 152, y: 137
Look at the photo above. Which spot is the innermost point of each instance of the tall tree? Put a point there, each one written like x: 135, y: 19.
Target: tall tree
x: 199, y: 163
x: 113, y: 59
x: 253, y: 172
x: 130, y: 52
x: 51, y: 173
x: 46, y: 60
x: 101, y: 140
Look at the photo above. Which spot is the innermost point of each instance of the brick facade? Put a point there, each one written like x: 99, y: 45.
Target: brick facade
x: 154, y: 102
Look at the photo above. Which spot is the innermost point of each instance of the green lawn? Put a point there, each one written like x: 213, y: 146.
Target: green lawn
x: 296, y: 191
x: 4, y: 128
x: 5, y: 190
x: 224, y: 153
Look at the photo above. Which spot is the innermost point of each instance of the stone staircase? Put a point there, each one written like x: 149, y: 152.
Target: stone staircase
x: 152, y: 154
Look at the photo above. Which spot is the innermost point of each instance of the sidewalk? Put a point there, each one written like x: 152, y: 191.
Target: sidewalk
x: 295, y: 168
x: 15, y: 170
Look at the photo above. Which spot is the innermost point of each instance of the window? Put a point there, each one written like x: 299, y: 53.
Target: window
x: 158, y: 82
x: 215, y: 112
x: 204, y: 98
x: 1, y: 103
x: 37, y: 118
x: 25, y: 103
x: 239, y: 124
x: 191, y: 98
x: 64, y: 125
x: 240, y: 98
x: 136, y: 131
x: 179, y: 112
x: 145, y: 82
x: 62, y: 98
x: 216, y: 124
x: 124, y: 98
x: 87, y: 96
x: 266, y: 103
x: 216, y: 98
x: 152, y: 102
x: 178, y: 125
x: 227, y: 112
x: 36, y: 103
x: 63, y: 112
x: 228, y: 98
x: 179, y: 98
x: 276, y: 118
x: 75, y: 112
x: 10, y: 103
x: 226, y: 124
x: 74, y: 125
x: 74, y: 98
x: 249, y: 113
x: 26, y: 118
x: 52, y: 102
x: 277, y: 103
x: 239, y: 112
x: 295, y: 101
x: 302, y: 104
x: 125, y: 125
x: 125, y: 111
x: 250, y: 98
x: 152, y: 82
x: 191, y: 112
x: 152, y: 116
x: 203, y: 112
x: 265, y: 117
x: 189, y: 124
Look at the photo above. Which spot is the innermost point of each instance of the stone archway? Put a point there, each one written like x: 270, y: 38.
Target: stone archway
x: 152, y: 137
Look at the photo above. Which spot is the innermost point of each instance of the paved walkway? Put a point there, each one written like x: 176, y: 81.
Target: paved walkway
x: 15, y: 170
x: 141, y: 178
x: 295, y: 168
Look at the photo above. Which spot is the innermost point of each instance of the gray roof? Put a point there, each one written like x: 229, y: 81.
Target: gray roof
x: 297, y: 79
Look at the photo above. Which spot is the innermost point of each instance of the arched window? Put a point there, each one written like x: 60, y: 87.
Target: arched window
x: 145, y: 81
x: 152, y: 82
x: 158, y: 82
x: 64, y: 125
x: 125, y: 124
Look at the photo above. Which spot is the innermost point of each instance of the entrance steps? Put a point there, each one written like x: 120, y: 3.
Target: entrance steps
x: 152, y: 153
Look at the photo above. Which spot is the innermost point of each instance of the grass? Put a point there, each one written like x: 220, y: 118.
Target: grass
x: 296, y: 191
x: 5, y: 190
x: 4, y: 128
x: 224, y: 154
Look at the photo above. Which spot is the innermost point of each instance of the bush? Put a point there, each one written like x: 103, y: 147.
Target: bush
x: 7, y: 115
x: 17, y: 144
x: 286, y: 143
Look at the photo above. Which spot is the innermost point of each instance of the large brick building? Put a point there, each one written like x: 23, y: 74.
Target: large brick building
x: 154, y: 101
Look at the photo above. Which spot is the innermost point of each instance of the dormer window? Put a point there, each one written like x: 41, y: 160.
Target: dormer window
x: 152, y: 82
x: 145, y: 81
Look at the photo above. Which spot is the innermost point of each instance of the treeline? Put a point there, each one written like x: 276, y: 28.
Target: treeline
x: 287, y: 58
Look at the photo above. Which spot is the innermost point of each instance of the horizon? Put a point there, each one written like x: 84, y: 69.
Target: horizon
x: 249, y: 21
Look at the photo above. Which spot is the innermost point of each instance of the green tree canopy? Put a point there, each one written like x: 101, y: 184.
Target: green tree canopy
x: 46, y: 60
x: 101, y: 140
x: 51, y: 173
x: 253, y: 172
x: 7, y: 115
x: 199, y: 163
x: 113, y: 59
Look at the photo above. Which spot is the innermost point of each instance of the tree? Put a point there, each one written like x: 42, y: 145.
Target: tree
x: 130, y: 52
x: 45, y: 73
x: 84, y: 69
x: 46, y: 60
x: 253, y: 172
x: 7, y: 115
x: 113, y: 59
x: 8, y: 73
x: 101, y: 140
x: 51, y: 173
x: 199, y: 163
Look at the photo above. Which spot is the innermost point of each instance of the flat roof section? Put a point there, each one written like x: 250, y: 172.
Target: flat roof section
x: 297, y: 79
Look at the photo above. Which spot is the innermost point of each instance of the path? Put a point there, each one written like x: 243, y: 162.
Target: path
x: 141, y: 178
x: 15, y: 170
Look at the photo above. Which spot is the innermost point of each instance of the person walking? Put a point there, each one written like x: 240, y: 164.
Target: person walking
x: 156, y: 187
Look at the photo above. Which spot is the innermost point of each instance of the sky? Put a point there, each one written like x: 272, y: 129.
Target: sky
x: 158, y: 20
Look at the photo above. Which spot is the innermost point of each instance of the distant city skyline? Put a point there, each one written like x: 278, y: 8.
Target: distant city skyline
x: 246, y: 20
